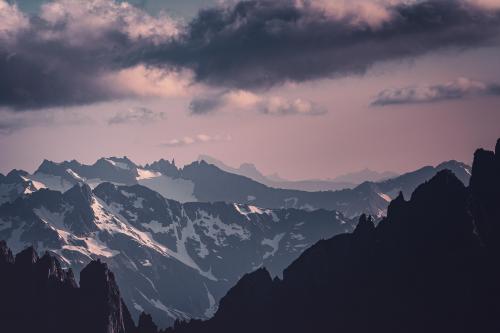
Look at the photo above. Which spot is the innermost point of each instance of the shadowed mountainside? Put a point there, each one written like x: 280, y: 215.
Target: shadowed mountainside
x: 430, y: 266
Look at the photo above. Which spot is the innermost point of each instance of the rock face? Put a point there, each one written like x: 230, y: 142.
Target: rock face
x: 485, y: 203
x: 430, y: 266
x: 39, y: 296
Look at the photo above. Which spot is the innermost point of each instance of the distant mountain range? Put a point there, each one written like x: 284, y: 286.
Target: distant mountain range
x: 203, y: 182
x: 430, y: 266
x: 349, y: 180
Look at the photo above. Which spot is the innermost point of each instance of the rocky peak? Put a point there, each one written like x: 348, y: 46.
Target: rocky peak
x: 485, y: 196
x: 165, y: 167
x: 15, y: 176
x: 49, y: 268
x: 250, y: 286
x: 101, y: 299
x: 6, y: 256
x: 80, y: 192
x: 365, y: 226
x: 50, y: 168
x: 146, y: 324
x: 26, y: 258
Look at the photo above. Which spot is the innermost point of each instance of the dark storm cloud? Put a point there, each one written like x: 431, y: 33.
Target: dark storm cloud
x: 64, y: 55
x: 252, y: 44
x: 262, y: 43
x: 458, y: 89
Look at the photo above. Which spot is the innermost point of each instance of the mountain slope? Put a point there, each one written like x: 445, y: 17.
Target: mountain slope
x: 430, y: 266
x: 372, y: 198
x: 201, y: 249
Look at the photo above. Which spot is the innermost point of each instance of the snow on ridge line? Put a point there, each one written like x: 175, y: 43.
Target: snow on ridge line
x: 385, y: 197
x: 120, y: 165
x: 75, y: 175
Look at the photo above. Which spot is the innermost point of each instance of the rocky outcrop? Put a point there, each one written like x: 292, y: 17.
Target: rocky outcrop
x: 38, y: 295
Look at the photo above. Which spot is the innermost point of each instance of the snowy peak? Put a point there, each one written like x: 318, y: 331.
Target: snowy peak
x: 165, y: 167
x: 121, y: 162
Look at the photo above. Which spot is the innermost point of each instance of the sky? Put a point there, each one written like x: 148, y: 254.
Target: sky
x: 302, y: 88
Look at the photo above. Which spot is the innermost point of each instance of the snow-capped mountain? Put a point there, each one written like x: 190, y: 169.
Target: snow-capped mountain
x: 16, y: 184
x: 172, y: 260
x: 200, y: 181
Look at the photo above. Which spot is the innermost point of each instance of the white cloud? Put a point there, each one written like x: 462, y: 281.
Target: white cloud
x: 85, y: 21
x: 196, y: 139
x: 142, y: 81
x: 281, y: 107
x: 11, y: 21
x: 246, y: 100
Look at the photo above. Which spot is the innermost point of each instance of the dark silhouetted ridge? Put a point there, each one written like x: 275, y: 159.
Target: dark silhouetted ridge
x: 430, y: 266
x: 38, y: 295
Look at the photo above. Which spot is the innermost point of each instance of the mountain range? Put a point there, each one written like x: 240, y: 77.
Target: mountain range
x: 349, y: 180
x: 431, y: 265
x: 201, y: 248
x: 203, y: 182
x: 203, y: 242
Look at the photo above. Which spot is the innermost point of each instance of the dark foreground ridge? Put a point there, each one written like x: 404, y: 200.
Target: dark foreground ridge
x: 37, y: 295
x: 432, y: 265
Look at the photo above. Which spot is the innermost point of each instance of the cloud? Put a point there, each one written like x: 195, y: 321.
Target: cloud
x: 246, y: 100
x: 78, y: 52
x: 141, y: 115
x: 257, y: 44
x: 457, y: 89
x: 11, y: 122
x: 206, y: 104
x: 81, y: 52
x: 197, y: 139
x: 282, y: 107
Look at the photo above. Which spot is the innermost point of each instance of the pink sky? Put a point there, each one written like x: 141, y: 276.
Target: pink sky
x: 347, y: 135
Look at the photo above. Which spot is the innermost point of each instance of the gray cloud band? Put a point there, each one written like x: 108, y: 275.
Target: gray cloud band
x: 458, y: 89
x: 250, y: 45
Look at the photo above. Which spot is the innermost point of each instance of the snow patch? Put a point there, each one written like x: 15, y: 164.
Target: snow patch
x: 117, y: 164
x: 177, y: 189
x: 55, y: 183
x: 147, y: 174
x: 385, y: 197
x: 172, y: 313
x: 273, y: 243
x: 212, y: 305
x: 157, y: 227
